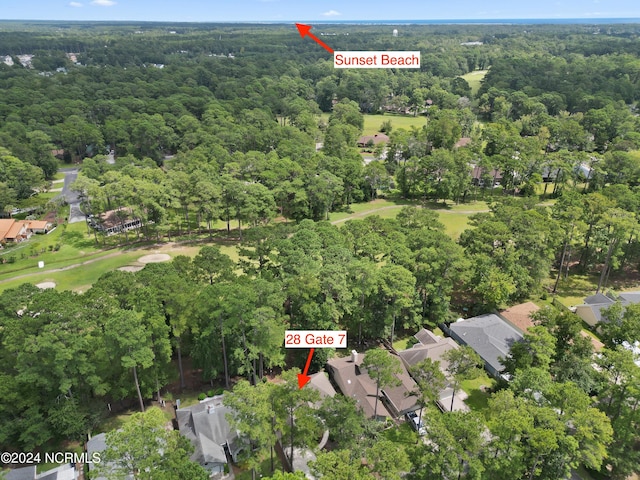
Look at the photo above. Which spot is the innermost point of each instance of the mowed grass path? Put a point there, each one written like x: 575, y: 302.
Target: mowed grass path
x: 474, y: 79
x: 372, y: 123
x: 454, y: 217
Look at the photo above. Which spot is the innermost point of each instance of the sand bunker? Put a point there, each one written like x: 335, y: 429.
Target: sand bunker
x: 45, y: 285
x: 130, y: 269
x: 154, y: 258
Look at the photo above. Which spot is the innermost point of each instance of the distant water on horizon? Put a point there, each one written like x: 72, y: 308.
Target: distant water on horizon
x: 484, y: 21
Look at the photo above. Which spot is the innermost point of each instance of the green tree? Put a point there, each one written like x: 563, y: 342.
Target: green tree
x: 145, y: 449
x: 463, y: 364
x: 536, y: 349
x: 383, y: 368
x: 253, y: 418
x: 131, y: 343
x: 339, y: 465
x: 211, y: 265
x: 343, y: 419
x: 388, y: 460
x: 296, y: 420
x: 430, y: 380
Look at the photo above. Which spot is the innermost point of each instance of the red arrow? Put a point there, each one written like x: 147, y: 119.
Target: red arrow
x: 306, y: 30
x: 303, y: 378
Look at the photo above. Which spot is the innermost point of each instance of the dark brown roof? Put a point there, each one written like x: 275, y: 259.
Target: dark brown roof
x: 426, y: 337
x: 111, y: 218
x: 356, y: 384
x: 401, y: 397
x: 376, y: 139
x: 477, y: 172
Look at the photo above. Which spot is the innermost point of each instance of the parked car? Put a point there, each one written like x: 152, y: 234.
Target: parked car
x: 416, y: 423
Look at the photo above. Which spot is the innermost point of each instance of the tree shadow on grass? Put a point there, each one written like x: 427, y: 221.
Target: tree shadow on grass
x: 401, y: 434
x: 77, y: 240
x: 477, y: 400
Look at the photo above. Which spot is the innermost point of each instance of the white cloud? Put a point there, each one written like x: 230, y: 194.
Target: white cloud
x: 331, y: 13
x: 75, y: 4
x: 103, y: 3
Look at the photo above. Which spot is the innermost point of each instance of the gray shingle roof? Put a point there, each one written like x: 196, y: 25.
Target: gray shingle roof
x: 97, y: 443
x: 597, y: 299
x: 489, y: 336
x: 206, y: 425
x: 630, y: 297
x: 599, y: 302
x: 24, y: 473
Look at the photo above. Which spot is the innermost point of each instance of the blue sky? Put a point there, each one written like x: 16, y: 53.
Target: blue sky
x: 310, y: 10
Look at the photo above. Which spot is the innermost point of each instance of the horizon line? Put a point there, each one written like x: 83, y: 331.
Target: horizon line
x: 343, y: 21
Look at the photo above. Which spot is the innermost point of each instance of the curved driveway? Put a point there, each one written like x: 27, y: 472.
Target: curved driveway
x: 70, y: 175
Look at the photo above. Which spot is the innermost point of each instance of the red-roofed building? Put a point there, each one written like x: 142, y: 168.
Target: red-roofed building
x: 19, y: 230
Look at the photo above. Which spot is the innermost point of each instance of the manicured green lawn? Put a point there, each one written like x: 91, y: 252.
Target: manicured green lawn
x: 361, y: 210
x: 78, y: 247
x: 478, y: 400
x: 454, y: 223
x: 401, y: 344
x: 74, y: 244
x: 574, y: 289
x: 402, y: 433
x: 372, y: 123
x: 113, y: 423
x: 455, y: 217
x: 474, y: 79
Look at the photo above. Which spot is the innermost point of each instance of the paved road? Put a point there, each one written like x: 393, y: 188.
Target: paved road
x: 75, y: 214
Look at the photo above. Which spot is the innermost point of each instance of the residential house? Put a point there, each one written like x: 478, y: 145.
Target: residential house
x: 489, y: 336
x: 434, y: 347
x: 479, y: 175
x: 367, y: 140
x: 402, y: 398
x: 13, y: 231
x: 519, y: 316
x: 116, y: 221
x: 24, y: 473
x: 39, y: 226
x: 63, y: 472
x: 206, y: 426
x: 16, y: 231
x: 354, y: 381
x: 98, y: 444
x: 320, y: 382
x: 593, y: 307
